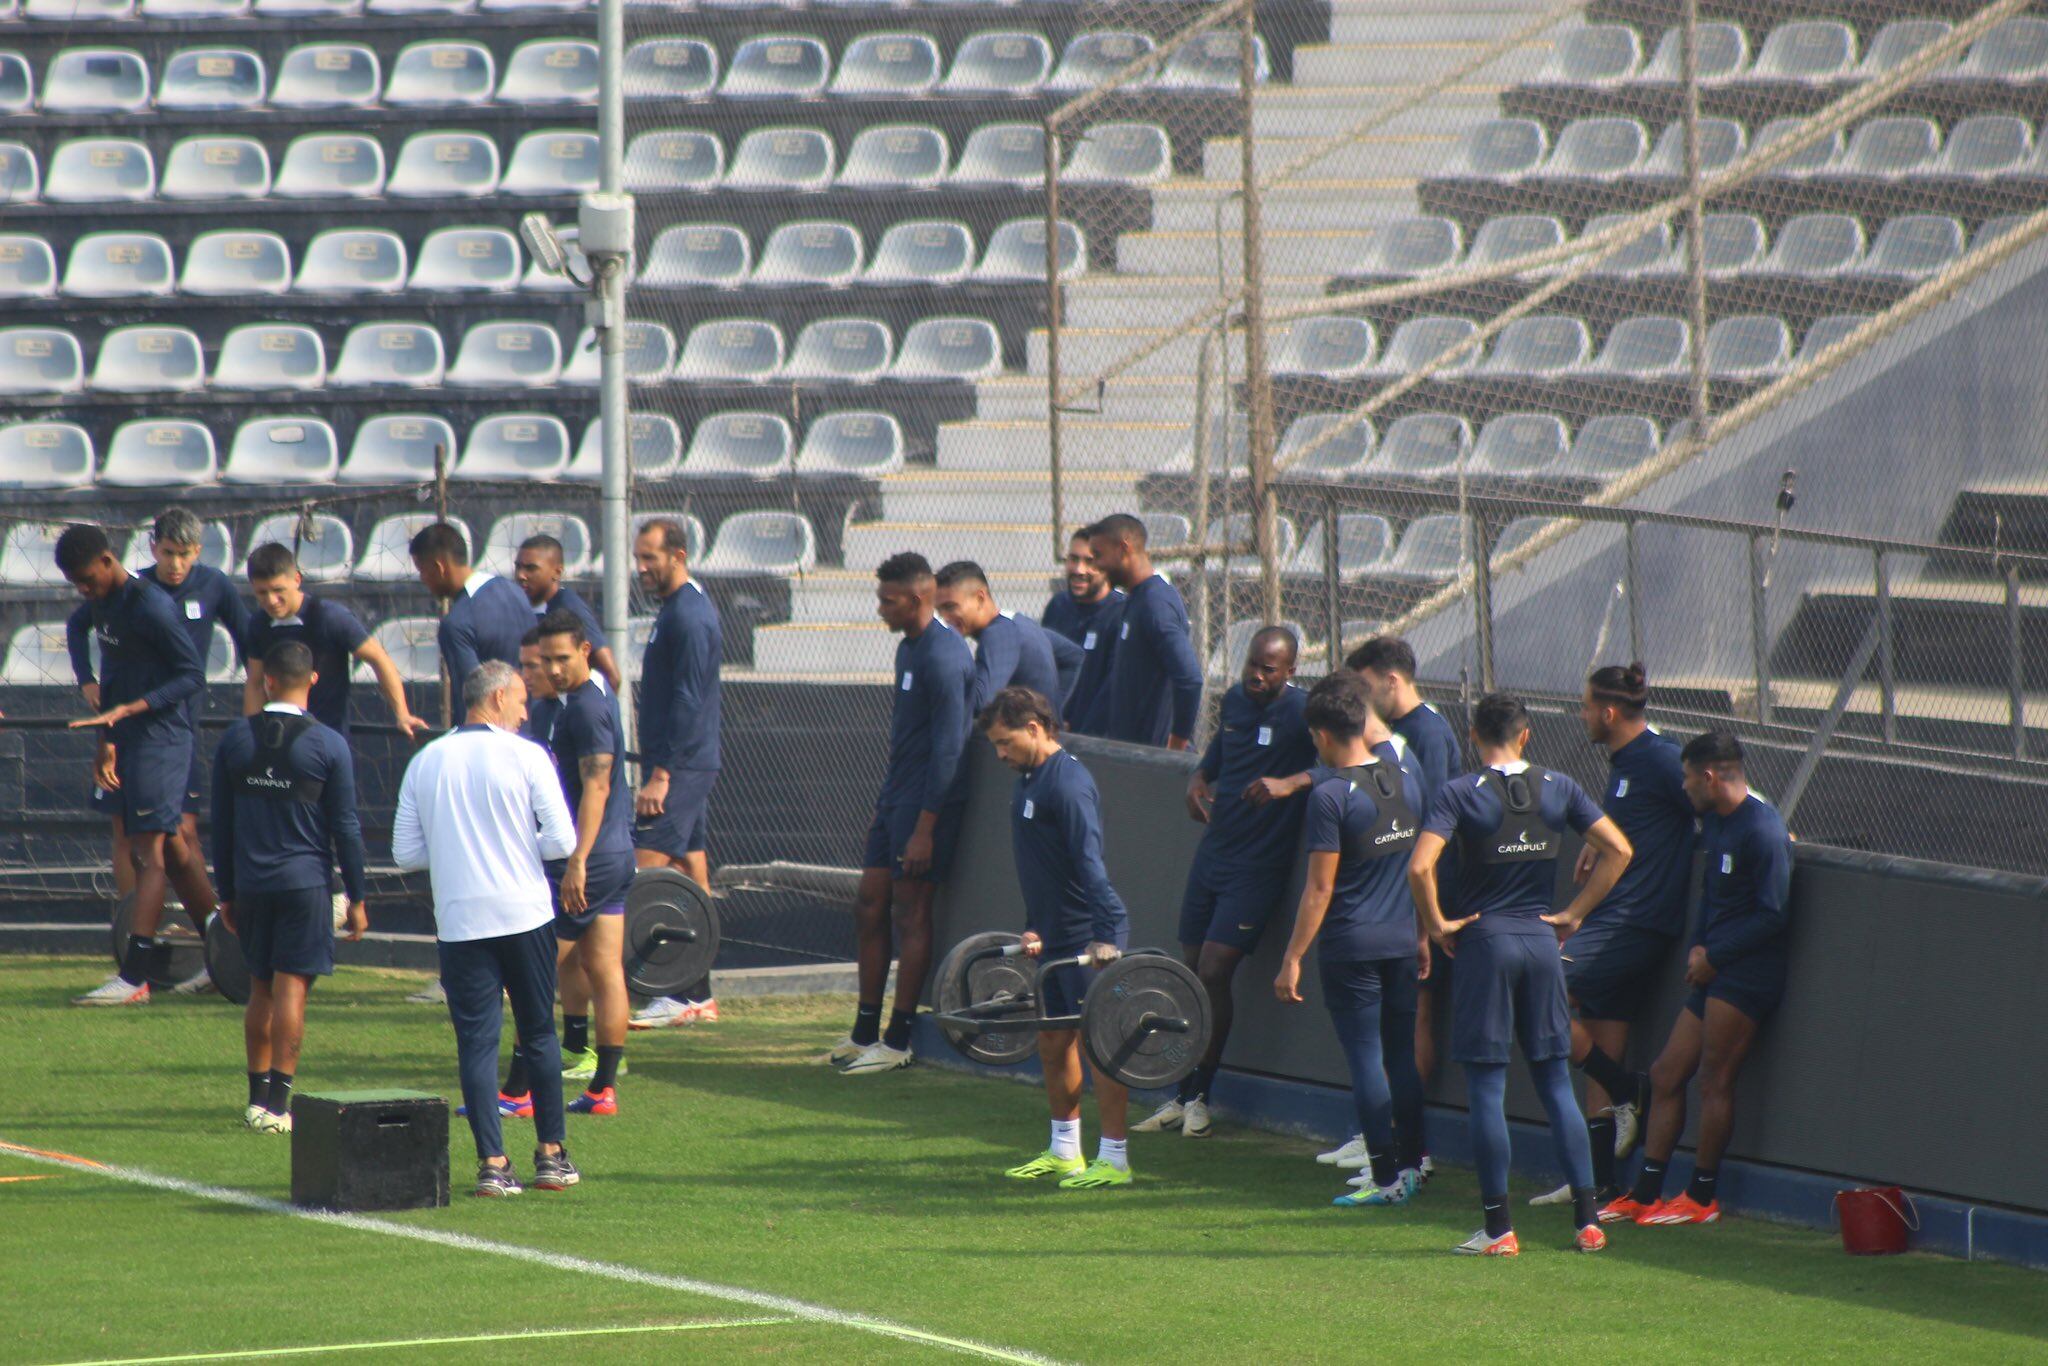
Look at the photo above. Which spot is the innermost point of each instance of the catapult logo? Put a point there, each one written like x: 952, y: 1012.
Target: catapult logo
x: 1523, y: 845
x: 268, y: 778
x: 1395, y: 831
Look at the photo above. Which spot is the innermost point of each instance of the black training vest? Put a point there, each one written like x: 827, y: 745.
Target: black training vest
x: 269, y: 774
x: 1523, y: 836
x: 1395, y: 828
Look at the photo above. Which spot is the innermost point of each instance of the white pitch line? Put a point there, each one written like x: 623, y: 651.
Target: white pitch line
x: 319, y: 1349
x: 556, y: 1261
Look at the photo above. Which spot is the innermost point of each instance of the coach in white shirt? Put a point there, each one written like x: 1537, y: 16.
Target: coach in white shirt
x: 480, y: 809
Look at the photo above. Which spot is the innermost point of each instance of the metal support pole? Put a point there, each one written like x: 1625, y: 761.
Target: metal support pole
x: 1332, y: 612
x: 1258, y: 379
x: 2016, y: 664
x: 608, y: 253
x: 1200, y: 519
x: 1053, y: 316
x: 1887, y: 683
x: 441, y: 604
x: 1482, y: 599
x: 1759, y: 630
x: 1695, y: 218
x: 1628, y: 589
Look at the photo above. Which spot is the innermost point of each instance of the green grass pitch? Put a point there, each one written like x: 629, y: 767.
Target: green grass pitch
x: 737, y: 1161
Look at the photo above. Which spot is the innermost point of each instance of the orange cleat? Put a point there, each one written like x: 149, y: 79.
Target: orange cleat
x: 1681, y: 1209
x: 1479, y: 1245
x: 605, y: 1102
x: 1590, y: 1239
x: 1627, y: 1209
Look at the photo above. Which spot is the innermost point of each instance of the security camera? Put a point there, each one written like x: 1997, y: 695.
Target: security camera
x: 543, y: 244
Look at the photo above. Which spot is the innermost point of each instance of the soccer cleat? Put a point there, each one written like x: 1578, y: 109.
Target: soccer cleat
x: 1194, y: 1120
x: 1561, y: 1196
x: 1591, y: 1238
x: 1628, y: 1127
x: 1099, y: 1175
x: 1167, y: 1116
x: 701, y: 1012
x: 579, y: 1066
x: 843, y: 1052
x: 496, y: 1181
x: 1625, y: 1210
x: 1428, y: 1167
x: 1352, y: 1147
x: 658, y: 1013
x: 199, y: 983
x: 249, y: 1116
x: 1681, y: 1209
x: 1375, y: 1196
x: 509, y: 1107
x: 605, y: 1102
x: 270, y: 1123
x: 1048, y: 1163
x: 1479, y: 1245
x: 878, y: 1057
x: 114, y: 992
x: 554, y: 1171
x: 432, y: 995
x: 1364, y: 1181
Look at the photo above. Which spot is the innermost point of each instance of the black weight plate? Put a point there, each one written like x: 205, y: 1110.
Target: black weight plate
x: 187, y: 955
x: 224, y: 961
x: 1113, y: 1019
x: 991, y: 979
x: 663, y: 899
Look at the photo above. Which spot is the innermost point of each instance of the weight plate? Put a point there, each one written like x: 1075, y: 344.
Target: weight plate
x: 671, y: 933
x: 1117, y: 1020
x: 187, y: 955
x: 224, y: 961
x: 984, y: 982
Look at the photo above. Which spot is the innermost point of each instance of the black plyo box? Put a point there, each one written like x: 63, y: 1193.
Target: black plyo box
x: 370, y: 1150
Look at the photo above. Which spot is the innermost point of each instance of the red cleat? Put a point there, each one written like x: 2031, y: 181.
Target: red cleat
x: 1626, y: 1210
x: 605, y: 1102
x: 1590, y: 1239
x: 1682, y: 1209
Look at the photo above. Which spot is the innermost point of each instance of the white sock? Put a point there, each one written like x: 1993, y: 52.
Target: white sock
x: 1066, y: 1137
x: 1114, y: 1152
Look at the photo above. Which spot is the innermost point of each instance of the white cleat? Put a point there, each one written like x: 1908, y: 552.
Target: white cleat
x: 1409, y: 1176
x: 843, y: 1052
x: 251, y: 1114
x: 1194, y: 1119
x: 1628, y: 1127
x: 267, y: 1123
x: 199, y: 983
x: 1167, y: 1116
x: 879, y: 1057
x: 340, y: 908
x: 114, y: 992
x: 664, y: 1011
x: 433, y: 995
x: 1428, y: 1167
x: 1561, y: 1196
x: 1342, y: 1155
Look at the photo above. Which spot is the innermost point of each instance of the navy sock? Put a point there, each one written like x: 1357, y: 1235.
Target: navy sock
x: 575, y: 1033
x: 1649, y: 1182
x: 898, y: 1033
x: 259, y: 1087
x: 1497, y: 1221
x: 1704, y: 1180
x: 137, y: 961
x: 518, y: 1082
x: 1600, y: 1132
x: 607, y: 1066
x: 1617, y: 1081
x: 1585, y: 1208
x: 1196, y: 1087
x: 280, y: 1093
x: 867, y: 1023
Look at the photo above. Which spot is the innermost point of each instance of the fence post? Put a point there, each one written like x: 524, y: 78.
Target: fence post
x: 1199, y: 521
x: 1628, y: 588
x: 1887, y: 694
x: 2016, y: 664
x: 1258, y: 380
x: 1482, y: 599
x: 1695, y: 218
x: 1759, y: 630
x: 1331, y: 608
x: 441, y: 604
x: 1052, y: 331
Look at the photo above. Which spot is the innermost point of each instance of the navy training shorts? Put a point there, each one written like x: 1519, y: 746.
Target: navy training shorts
x: 607, y: 878
x: 154, y: 780
x: 1613, y: 968
x: 1509, y: 989
x: 289, y: 931
x: 681, y: 827
x: 892, y: 830
x: 1229, y: 906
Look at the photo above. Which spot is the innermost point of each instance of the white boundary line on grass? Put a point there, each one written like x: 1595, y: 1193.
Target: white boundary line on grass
x: 556, y: 1261
x: 265, y: 1353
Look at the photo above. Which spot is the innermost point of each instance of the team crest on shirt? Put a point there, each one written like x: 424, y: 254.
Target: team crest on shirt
x: 1727, y: 863
x: 1621, y: 788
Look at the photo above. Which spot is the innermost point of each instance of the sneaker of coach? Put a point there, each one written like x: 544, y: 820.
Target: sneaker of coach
x: 1350, y: 1150
x: 1167, y: 1116
x: 114, y: 992
x: 878, y: 1057
x: 1194, y: 1120
x: 431, y: 995
x: 250, y: 1115
x: 1561, y: 1196
x: 199, y: 983
x: 271, y: 1123
x: 554, y: 1171
x: 1628, y: 1127
x: 843, y: 1052
x: 496, y: 1181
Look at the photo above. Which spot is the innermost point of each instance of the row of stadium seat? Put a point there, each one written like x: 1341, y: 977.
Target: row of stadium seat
x: 455, y: 164
x: 1524, y: 447
x: 354, y: 261
x: 497, y: 355
x: 105, y: 11
x: 1822, y: 51
x: 555, y: 71
x: 398, y: 448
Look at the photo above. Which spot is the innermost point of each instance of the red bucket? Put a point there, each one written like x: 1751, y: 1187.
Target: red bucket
x: 1875, y: 1220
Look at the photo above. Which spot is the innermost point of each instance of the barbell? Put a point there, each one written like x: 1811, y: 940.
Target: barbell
x: 186, y: 950
x: 1145, y: 1020
x: 671, y: 932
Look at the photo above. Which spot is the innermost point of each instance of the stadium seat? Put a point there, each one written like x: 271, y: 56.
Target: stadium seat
x: 1016, y: 252
x: 1012, y: 64
x: 1364, y: 540
x: 149, y: 360
x: 327, y: 76
x: 1748, y: 346
x: 1331, y: 348
x: 1538, y: 346
x: 1723, y: 54
x: 507, y: 355
x: 426, y: 75
x: 119, y: 265
x: 45, y: 455
x: 754, y: 444
x: 1645, y: 253
x: 1120, y: 154
x: 434, y: 8
x: 1885, y: 149
x: 1595, y: 150
x: 840, y: 351
x: 1431, y: 549
x: 1808, y: 52
x: 1227, y: 450
x: 1990, y: 230
x: 331, y: 166
x: 862, y: 444
x: 896, y: 157
x: 21, y: 179
x: 271, y: 356
x: 524, y: 6
x: 2014, y: 52
x: 1420, y: 340
x: 514, y: 446
x: 734, y: 349
x: 389, y: 355
x: 1404, y: 247
x: 810, y: 255
x: 28, y: 268
x: 1519, y: 446
x: 1826, y: 332
x: 1809, y: 160
x: 1898, y: 41
x: 95, y: 80
x: 550, y: 71
x: 654, y: 446
x: 683, y: 257
x: 159, y: 453
x: 100, y: 171
x: 650, y: 355
x: 216, y: 168
x: 352, y: 261
x: 1517, y: 534
x: 1815, y: 244
x: 1649, y: 347
x: 212, y: 78
x: 73, y: 11
x: 463, y: 259
x: 674, y: 159
x: 17, y: 84
x: 777, y: 67
x: 1212, y: 62
x: 28, y: 556
x: 1424, y: 445
x: 1239, y: 528
x: 1608, y: 447
x: 1499, y: 149
x: 892, y: 65
x: 398, y: 448
x: 780, y: 544
x: 1597, y: 54
x: 1735, y: 242
x: 1513, y: 235
x: 1722, y: 143
x: 1166, y: 530
x: 949, y: 349
x: 1343, y: 455
x: 233, y: 263
x: 1984, y: 146
x: 325, y: 549
x: 282, y: 450
x: 386, y: 555
x: 670, y: 69
x: 782, y: 160
x: 37, y: 654
x: 936, y: 252
x: 1090, y: 59
x: 445, y: 165
x: 1002, y: 154
x: 194, y: 9
x: 308, y: 9
x: 500, y: 553
x: 1912, y: 247
x: 413, y: 643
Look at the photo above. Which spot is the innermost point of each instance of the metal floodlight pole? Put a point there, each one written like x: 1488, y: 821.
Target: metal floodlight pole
x: 1695, y: 220
x: 1258, y: 379
x: 605, y: 232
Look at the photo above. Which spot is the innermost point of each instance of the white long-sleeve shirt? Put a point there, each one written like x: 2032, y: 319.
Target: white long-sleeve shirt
x: 479, y: 809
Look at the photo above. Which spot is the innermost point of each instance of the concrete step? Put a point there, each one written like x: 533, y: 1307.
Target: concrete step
x: 1315, y: 207
x: 1409, y: 63
x: 1293, y: 112
x: 849, y: 648
x: 993, y: 545
x: 1089, y: 351
x: 1022, y: 399
x: 928, y: 496
x: 1085, y: 444
x: 1375, y: 158
x: 1448, y: 24
x: 849, y: 598
x: 1318, y: 253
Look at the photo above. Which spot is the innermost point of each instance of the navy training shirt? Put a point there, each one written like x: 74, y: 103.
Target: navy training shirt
x: 1069, y: 616
x: 679, y: 683
x: 1745, y: 894
x: 1056, y: 834
x: 146, y: 653
x: 928, y: 719
x: 486, y: 620
x: 567, y: 599
x: 1016, y: 652
x: 1371, y: 914
x: 1253, y: 741
x: 205, y: 597
x: 1434, y: 743
x: 278, y: 844
x: 1087, y: 707
x: 1507, y: 897
x: 541, y: 715
x: 333, y: 634
x: 1155, y: 681
x: 1646, y: 797
x: 586, y: 722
